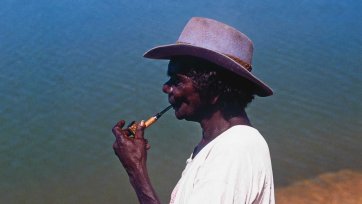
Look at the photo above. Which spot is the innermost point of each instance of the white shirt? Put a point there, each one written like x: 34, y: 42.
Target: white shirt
x: 235, y: 167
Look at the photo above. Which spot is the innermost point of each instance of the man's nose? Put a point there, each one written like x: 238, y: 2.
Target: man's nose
x: 167, y: 88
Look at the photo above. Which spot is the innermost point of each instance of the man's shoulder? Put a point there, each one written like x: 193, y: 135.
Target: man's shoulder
x: 242, y: 135
x: 241, y: 142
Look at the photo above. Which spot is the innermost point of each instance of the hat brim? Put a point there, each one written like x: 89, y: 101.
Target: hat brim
x: 172, y: 50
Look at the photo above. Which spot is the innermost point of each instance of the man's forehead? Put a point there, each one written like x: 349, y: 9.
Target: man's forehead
x: 182, y: 64
x: 177, y: 66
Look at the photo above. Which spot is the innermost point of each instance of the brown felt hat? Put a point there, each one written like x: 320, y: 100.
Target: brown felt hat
x: 215, y: 42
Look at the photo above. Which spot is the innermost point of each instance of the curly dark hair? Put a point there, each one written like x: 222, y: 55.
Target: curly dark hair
x: 234, y: 92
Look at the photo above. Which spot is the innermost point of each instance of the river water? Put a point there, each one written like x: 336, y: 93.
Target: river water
x: 70, y: 69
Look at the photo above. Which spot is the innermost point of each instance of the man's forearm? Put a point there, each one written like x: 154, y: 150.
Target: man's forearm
x: 143, y: 187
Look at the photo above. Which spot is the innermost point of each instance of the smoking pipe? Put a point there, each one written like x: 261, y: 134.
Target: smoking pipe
x: 133, y: 125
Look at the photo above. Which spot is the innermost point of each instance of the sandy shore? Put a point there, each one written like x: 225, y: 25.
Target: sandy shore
x: 343, y: 187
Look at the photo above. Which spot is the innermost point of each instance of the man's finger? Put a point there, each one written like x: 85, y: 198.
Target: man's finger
x: 120, y: 124
x: 140, y: 130
x: 117, y: 129
x: 115, y: 147
x: 148, y: 146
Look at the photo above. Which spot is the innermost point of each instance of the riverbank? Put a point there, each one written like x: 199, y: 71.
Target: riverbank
x: 344, y: 186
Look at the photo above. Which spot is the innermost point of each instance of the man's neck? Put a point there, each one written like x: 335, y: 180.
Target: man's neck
x: 216, y: 124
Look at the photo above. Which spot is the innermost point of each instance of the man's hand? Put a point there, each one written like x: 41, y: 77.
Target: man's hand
x: 132, y: 152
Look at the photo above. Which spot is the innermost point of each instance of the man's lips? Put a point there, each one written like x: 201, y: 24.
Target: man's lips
x: 171, y: 101
x: 174, y: 104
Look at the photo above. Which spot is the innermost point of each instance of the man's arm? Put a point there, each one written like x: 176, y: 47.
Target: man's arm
x: 143, y: 187
x: 132, y: 152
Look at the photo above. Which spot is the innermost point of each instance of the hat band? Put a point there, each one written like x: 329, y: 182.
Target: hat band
x: 245, y: 65
x: 241, y: 62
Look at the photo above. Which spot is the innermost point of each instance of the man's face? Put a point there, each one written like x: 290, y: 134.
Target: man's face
x: 182, y: 94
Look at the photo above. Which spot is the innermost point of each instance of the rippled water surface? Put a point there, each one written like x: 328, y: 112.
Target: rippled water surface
x: 70, y: 69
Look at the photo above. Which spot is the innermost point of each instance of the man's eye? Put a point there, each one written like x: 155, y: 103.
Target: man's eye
x: 175, y: 80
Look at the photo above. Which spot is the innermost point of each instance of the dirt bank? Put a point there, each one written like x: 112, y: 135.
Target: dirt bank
x: 343, y: 187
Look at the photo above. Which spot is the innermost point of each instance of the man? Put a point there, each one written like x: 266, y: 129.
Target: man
x: 210, y: 83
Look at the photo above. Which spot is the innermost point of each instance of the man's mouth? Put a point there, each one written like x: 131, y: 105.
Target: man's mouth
x: 175, y: 105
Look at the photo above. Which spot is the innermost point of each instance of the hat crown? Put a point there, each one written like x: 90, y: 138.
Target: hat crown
x: 207, y: 33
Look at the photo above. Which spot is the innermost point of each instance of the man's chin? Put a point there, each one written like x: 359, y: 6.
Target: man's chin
x: 178, y: 115
x: 183, y: 117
